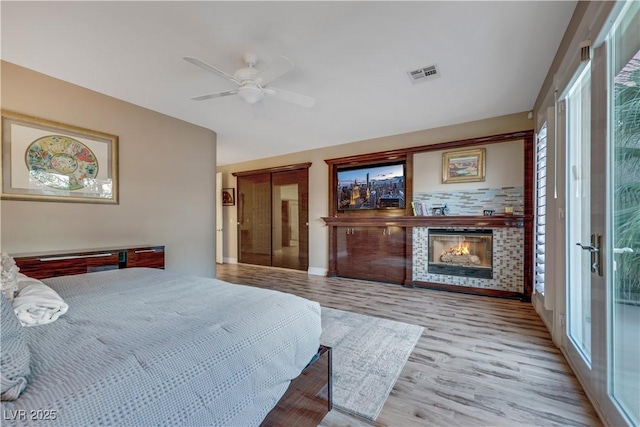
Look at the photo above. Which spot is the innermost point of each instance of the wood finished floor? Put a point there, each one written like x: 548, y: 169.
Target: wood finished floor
x: 481, y: 361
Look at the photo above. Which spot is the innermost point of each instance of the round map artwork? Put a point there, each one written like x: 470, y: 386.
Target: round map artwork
x: 61, y: 162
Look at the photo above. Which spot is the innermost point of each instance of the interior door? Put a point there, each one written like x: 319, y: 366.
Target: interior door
x: 254, y: 219
x: 219, y: 220
x: 290, y: 216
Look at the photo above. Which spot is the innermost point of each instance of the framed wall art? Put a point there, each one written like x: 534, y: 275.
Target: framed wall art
x: 228, y: 196
x: 463, y: 166
x: 44, y: 160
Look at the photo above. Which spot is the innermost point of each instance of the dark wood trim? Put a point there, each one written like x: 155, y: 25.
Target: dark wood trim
x: 529, y: 182
x: 333, y: 251
x: 407, y: 159
x: 469, y: 290
x: 403, y: 152
x: 496, y: 221
x: 274, y: 169
x: 408, y: 275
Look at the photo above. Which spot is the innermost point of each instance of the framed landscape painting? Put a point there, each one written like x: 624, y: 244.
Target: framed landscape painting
x: 43, y: 160
x: 463, y: 166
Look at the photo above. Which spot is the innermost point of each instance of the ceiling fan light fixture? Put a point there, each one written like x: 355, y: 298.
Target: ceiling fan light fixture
x: 251, y: 94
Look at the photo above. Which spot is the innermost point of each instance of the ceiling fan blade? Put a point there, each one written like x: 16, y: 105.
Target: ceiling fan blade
x: 281, y: 67
x: 215, y: 95
x: 294, y: 98
x: 210, y: 68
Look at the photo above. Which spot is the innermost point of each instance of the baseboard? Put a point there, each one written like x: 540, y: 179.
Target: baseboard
x: 230, y: 260
x: 544, y: 314
x: 586, y: 388
x: 317, y: 271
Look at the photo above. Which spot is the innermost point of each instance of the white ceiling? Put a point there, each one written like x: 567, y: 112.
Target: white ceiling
x: 351, y: 56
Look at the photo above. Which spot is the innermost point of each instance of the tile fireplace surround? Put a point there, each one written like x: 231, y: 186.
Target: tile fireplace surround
x: 508, y: 261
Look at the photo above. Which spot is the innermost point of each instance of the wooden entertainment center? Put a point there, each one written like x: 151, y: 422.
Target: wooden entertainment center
x: 377, y: 244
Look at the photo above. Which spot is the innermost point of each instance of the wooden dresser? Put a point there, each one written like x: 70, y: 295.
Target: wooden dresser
x: 41, y: 265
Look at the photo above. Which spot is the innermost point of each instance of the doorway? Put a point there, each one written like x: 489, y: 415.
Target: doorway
x: 602, y: 339
x: 273, y: 217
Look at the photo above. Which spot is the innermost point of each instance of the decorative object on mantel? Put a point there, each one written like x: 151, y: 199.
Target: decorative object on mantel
x: 228, y: 196
x: 488, y: 212
x: 420, y: 209
x: 440, y: 210
x: 44, y: 160
x: 463, y: 166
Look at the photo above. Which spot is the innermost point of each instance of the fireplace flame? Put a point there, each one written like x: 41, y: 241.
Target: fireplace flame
x: 461, y: 249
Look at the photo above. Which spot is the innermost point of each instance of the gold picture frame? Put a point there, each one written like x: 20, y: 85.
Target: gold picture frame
x: 463, y: 166
x: 43, y: 160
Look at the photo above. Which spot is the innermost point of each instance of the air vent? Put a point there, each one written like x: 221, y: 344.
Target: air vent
x: 585, y: 51
x: 423, y: 74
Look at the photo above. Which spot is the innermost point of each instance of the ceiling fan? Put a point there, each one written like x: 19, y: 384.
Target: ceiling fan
x: 254, y: 84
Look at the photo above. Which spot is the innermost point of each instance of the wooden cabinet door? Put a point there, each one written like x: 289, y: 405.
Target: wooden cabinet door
x: 343, y: 260
x: 371, y: 253
x: 377, y: 245
x: 348, y: 257
x: 396, y: 254
x: 387, y: 245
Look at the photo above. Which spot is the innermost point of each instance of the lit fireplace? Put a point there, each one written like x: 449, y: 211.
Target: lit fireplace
x: 466, y: 253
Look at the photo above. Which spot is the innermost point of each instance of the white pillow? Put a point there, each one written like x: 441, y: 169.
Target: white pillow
x: 9, y: 274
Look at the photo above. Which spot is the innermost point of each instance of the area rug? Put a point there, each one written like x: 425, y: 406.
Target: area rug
x: 368, y: 355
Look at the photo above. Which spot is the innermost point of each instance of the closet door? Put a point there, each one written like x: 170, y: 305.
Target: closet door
x: 254, y: 219
x: 290, y: 217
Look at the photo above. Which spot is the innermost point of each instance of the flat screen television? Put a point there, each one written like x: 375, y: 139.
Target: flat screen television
x: 379, y: 186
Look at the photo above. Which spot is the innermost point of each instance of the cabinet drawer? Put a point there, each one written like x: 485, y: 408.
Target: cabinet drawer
x: 43, y: 267
x: 152, y: 257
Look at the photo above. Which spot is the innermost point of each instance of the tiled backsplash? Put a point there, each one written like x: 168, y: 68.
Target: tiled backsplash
x: 474, y: 202
x: 508, y: 262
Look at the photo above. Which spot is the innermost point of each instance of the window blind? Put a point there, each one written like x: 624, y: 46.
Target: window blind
x: 541, y: 209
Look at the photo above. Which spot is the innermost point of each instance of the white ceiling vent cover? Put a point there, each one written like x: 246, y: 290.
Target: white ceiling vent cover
x: 423, y: 74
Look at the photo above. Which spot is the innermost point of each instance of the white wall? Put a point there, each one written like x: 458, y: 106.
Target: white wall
x: 167, y: 179
x: 504, y: 167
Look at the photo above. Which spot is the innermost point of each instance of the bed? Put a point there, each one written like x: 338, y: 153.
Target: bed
x: 142, y: 346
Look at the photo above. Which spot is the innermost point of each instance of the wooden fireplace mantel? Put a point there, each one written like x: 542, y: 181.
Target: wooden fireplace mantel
x: 494, y: 221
